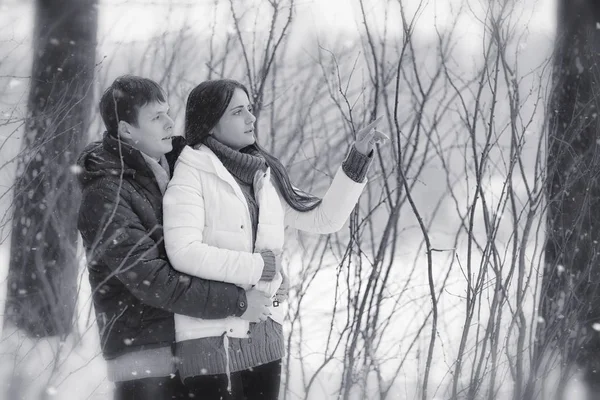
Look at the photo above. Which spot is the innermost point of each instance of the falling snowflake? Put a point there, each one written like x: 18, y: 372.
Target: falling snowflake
x: 596, y: 326
x: 579, y: 65
x: 14, y: 83
x: 231, y: 30
x: 51, y: 390
x: 75, y: 169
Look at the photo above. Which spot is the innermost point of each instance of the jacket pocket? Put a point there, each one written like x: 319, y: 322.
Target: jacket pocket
x: 230, y: 240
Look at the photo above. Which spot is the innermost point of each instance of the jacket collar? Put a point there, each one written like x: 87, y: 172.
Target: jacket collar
x: 204, y: 159
x: 133, y: 158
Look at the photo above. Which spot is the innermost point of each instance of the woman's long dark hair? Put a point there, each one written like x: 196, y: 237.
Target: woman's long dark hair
x: 206, y: 105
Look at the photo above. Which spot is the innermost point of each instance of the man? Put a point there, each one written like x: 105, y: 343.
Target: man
x: 135, y: 289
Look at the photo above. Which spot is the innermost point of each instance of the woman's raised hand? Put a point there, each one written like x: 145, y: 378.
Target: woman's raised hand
x: 368, y: 136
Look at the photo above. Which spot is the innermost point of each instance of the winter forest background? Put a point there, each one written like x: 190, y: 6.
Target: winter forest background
x: 468, y: 270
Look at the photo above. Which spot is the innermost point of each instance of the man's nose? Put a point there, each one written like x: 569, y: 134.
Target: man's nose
x: 170, y: 123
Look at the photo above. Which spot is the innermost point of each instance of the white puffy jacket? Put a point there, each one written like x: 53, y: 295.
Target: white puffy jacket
x: 208, y: 232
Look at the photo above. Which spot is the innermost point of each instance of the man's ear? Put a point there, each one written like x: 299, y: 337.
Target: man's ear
x: 124, y: 131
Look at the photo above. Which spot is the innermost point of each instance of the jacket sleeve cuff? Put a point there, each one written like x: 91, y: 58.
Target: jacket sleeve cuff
x: 357, y: 165
x: 270, y: 268
x: 242, y: 303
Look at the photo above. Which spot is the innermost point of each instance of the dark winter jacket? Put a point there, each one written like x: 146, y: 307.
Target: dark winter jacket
x: 135, y: 290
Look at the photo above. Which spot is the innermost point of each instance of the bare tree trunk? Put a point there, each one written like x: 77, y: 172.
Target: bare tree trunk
x: 570, y: 297
x: 43, y: 263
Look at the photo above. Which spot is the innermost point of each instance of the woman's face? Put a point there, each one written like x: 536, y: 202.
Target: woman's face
x: 236, y: 126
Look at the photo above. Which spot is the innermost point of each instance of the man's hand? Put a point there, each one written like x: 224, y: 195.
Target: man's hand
x: 257, y: 310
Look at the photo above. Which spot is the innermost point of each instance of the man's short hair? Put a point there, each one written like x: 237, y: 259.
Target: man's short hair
x: 123, y: 99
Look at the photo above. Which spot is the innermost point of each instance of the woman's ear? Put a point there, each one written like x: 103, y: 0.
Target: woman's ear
x: 124, y: 131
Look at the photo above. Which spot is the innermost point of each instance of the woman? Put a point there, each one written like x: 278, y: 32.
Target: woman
x: 224, y: 215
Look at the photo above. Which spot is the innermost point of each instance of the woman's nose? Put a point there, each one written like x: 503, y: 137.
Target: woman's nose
x: 250, y: 118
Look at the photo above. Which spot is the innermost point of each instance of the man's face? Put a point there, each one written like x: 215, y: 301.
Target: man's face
x: 154, y: 131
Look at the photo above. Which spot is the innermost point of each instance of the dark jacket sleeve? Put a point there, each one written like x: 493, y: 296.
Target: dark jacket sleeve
x: 115, y: 237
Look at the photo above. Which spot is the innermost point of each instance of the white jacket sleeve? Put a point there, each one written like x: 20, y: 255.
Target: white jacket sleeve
x: 334, y: 210
x: 183, y: 226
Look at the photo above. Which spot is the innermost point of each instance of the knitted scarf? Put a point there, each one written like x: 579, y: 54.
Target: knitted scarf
x: 241, y: 164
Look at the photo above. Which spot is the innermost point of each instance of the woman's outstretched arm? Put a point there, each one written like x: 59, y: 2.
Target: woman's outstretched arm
x: 345, y: 189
